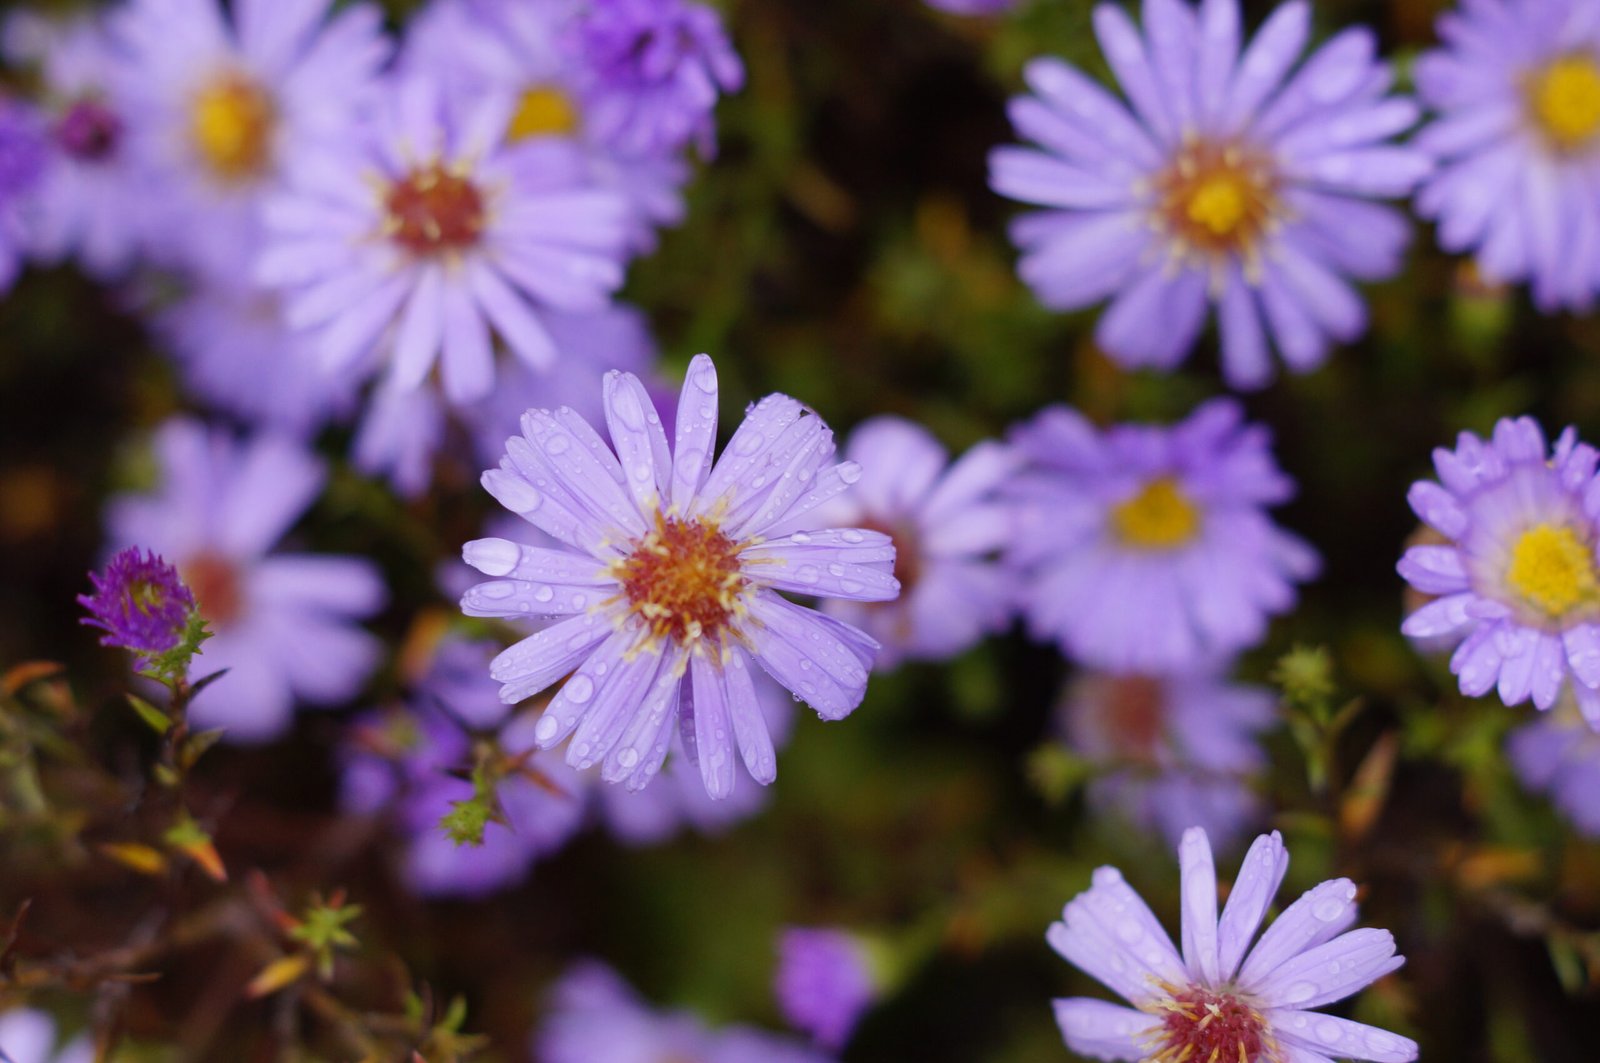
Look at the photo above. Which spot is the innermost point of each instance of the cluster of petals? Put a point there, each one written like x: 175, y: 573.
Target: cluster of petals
x: 1221, y: 997
x: 1559, y: 755
x: 140, y: 604
x: 1235, y: 176
x: 1513, y: 585
x: 824, y: 982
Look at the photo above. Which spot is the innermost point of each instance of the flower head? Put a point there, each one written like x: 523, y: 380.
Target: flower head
x: 1559, y: 755
x: 1515, y: 582
x: 1220, y: 998
x: 1147, y: 548
x: 140, y: 604
x: 668, y: 588
x: 824, y: 983
x: 1226, y: 181
x: 1516, y: 88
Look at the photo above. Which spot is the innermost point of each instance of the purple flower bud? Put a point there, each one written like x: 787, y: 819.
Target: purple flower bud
x: 140, y: 603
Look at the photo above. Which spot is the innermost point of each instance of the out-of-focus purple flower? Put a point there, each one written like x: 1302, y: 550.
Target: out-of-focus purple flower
x: 281, y: 623
x: 670, y: 586
x: 824, y: 983
x: 22, y: 161
x: 227, y: 98
x: 1559, y: 755
x: 92, y: 198
x: 1516, y: 88
x: 1221, y: 998
x: 595, y: 1016
x: 1149, y: 549
x: 140, y: 604
x: 427, y: 235
x: 1230, y: 182
x: 28, y: 1035
x: 973, y: 7
x: 947, y: 522
x: 655, y: 69
x: 1516, y: 583
x: 1175, y: 751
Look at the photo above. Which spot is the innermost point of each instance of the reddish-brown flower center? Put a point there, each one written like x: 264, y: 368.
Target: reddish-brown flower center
x: 1132, y: 715
x: 216, y: 586
x: 683, y: 579
x: 1200, y: 1025
x: 1216, y: 198
x: 907, y: 558
x: 433, y: 210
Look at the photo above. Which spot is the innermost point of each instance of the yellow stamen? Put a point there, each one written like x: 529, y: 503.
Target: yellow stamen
x: 1219, y: 203
x: 1553, y: 570
x: 1565, y: 100
x: 231, y: 121
x: 1159, y: 517
x: 543, y: 111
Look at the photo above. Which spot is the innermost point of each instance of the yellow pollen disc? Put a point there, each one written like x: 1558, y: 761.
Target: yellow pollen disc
x: 543, y: 111
x: 1565, y: 98
x: 231, y: 122
x: 1219, y: 204
x: 683, y: 579
x: 1159, y: 517
x: 1553, y: 570
x: 1216, y: 198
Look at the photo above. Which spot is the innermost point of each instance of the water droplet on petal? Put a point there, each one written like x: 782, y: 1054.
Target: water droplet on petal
x: 748, y: 442
x: 807, y: 574
x: 558, y: 444
x: 800, y: 538
x: 851, y: 535
x: 578, y: 690
x: 542, y: 593
x: 849, y: 472
x: 546, y: 728
x: 628, y: 757
x: 1300, y: 991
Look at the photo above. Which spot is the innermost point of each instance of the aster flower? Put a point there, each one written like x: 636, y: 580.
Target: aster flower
x: 1225, y: 181
x: 1176, y: 751
x: 1221, y: 998
x: 947, y: 522
x: 28, y: 1035
x: 1559, y: 755
x: 669, y: 588
x: 141, y: 605
x: 655, y: 68
x: 1148, y: 549
x: 227, y: 98
x: 1515, y: 582
x: 281, y: 623
x: 22, y: 155
x: 824, y: 983
x: 1516, y: 88
x: 428, y: 235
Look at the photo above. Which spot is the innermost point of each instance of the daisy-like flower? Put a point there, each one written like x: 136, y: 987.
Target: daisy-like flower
x: 1559, y: 755
x: 22, y: 161
x: 1516, y: 88
x: 669, y: 588
x: 28, y: 1035
x: 283, y: 624
x: 140, y: 604
x: 1176, y: 751
x: 1221, y: 1000
x: 1149, y: 549
x: 947, y: 523
x: 226, y: 98
x: 1226, y: 181
x: 824, y: 983
x: 427, y: 235
x: 1515, y: 583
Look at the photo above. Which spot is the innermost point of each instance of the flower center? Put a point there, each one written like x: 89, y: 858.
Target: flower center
x: 1217, y: 198
x: 1553, y: 569
x: 215, y: 583
x: 1200, y: 1025
x: 433, y: 210
x: 1565, y: 100
x: 1132, y: 716
x: 907, y: 558
x: 1159, y: 517
x: 543, y: 111
x: 683, y: 578
x: 231, y: 121
x: 88, y: 131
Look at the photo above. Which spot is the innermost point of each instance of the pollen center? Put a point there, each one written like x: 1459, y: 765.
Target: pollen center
x: 214, y: 581
x: 433, y: 210
x: 231, y: 121
x: 1132, y: 716
x: 543, y: 111
x: 1200, y: 1025
x: 1159, y: 517
x: 683, y: 578
x: 1553, y: 569
x: 1216, y: 198
x: 1565, y: 100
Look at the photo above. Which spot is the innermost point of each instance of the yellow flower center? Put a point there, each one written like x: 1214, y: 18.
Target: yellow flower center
x: 1159, y: 517
x: 543, y: 111
x: 1565, y: 99
x: 1552, y: 568
x: 1216, y: 198
x: 231, y: 122
x: 1220, y: 203
x: 683, y: 578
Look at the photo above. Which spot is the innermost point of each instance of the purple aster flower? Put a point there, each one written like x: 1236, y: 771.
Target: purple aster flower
x: 281, y: 623
x: 670, y: 584
x: 1147, y: 548
x: 22, y: 161
x: 1516, y: 88
x: 1515, y: 582
x: 1559, y: 755
x: 656, y: 68
x: 596, y: 1016
x: 91, y: 197
x: 824, y: 983
x: 228, y: 97
x: 1230, y: 182
x: 1176, y: 751
x: 946, y: 522
x: 140, y: 604
x: 28, y: 1035
x: 428, y: 235
x: 1221, y: 999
